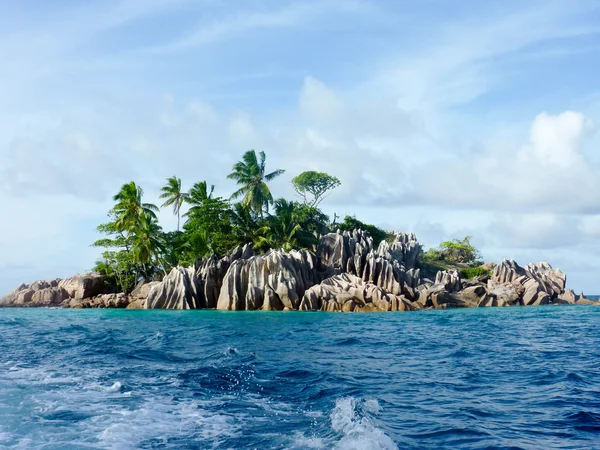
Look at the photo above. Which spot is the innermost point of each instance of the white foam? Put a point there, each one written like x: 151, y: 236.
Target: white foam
x: 116, y: 387
x: 358, y: 432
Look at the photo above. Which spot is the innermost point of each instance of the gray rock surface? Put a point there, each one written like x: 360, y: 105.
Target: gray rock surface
x: 275, y: 280
x: 83, y: 286
x: 178, y: 290
x: 347, y: 293
x: 450, y: 279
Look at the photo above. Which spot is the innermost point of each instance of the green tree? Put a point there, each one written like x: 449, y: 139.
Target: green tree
x: 315, y: 184
x: 118, y: 269
x: 130, y: 209
x: 284, y: 229
x: 248, y: 229
x: 173, y: 195
x: 147, y: 243
x: 250, y: 175
x: 312, y: 219
x: 208, y: 229
x: 459, y: 251
x: 199, y: 194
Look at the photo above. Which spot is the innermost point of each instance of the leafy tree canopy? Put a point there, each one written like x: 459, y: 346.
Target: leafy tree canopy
x: 313, y: 186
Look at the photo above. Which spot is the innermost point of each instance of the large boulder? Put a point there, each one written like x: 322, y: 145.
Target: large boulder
x: 50, y: 296
x: 178, y: 290
x: 450, y: 279
x: 273, y: 281
x: 507, y: 271
x: 508, y: 293
x: 195, y: 287
x: 536, y: 284
x: 405, y: 249
x: 552, y: 281
x: 344, y: 252
x: 83, y: 286
x: 23, y: 295
x: 347, y: 293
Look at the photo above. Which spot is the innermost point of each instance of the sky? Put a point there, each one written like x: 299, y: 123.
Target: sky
x: 443, y: 118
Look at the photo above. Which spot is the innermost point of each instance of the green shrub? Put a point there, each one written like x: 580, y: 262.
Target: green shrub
x: 472, y: 272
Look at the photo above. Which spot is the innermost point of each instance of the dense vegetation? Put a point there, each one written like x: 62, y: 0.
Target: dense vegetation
x: 456, y: 254
x: 136, y: 247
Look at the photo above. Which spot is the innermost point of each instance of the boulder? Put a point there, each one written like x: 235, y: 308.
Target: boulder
x: 83, y: 286
x: 50, y: 296
x: 449, y: 279
x: 507, y: 271
x: 568, y: 297
x: 281, y: 277
x: 347, y: 293
x: 508, y: 293
x: 551, y: 281
x: 405, y: 249
x: 178, y: 290
x: 142, y: 290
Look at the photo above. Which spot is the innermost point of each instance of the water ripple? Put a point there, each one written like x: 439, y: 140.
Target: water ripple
x: 523, y: 378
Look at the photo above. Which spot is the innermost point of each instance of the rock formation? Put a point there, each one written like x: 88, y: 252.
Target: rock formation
x: 347, y: 292
x: 273, y: 281
x: 345, y: 274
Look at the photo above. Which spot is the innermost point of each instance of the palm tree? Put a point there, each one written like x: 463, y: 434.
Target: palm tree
x: 148, y: 242
x: 250, y: 174
x: 199, y: 193
x: 130, y: 211
x: 247, y: 228
x: 173, y: 195
x: 285, y: 229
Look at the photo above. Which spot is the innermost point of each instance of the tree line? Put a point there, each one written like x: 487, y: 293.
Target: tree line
x: 137, y: 248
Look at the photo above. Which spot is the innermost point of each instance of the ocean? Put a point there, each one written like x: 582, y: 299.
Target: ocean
x: 477, y: 378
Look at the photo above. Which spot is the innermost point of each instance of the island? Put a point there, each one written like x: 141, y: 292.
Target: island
x: 245, y: 256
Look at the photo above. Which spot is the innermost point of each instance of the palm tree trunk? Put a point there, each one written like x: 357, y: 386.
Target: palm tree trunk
x: 177, y: 220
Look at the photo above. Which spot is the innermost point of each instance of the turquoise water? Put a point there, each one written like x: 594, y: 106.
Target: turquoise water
x: 478, y: 378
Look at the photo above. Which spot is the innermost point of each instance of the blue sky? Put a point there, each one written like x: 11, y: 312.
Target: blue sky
x: 446, y: 118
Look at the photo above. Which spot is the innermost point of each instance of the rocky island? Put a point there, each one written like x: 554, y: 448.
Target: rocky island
x: 346, y: 274
x: 244, y: 256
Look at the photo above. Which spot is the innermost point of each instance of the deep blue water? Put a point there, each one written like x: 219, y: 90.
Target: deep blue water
x: 477, y: 378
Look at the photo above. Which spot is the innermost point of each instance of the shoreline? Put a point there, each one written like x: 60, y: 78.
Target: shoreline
x: 345, y: 274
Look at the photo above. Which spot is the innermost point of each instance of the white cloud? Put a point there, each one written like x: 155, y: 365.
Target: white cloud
x: 392, y: 120
x: 556, y: 140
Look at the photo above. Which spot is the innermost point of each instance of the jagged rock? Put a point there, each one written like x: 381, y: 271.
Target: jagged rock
x: 552, y: 281
x: 284, y: 277
x: 507, y: 271
x: 212, y: 271
x: 344, y: 252
x: 569, y: 297
x: 83, y: 286
x: 347, y: 292
x: 405, y: 249
x: 450, y: 279
x: 142, y: 290
x: 508, y: 293
x: 178, y: 290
